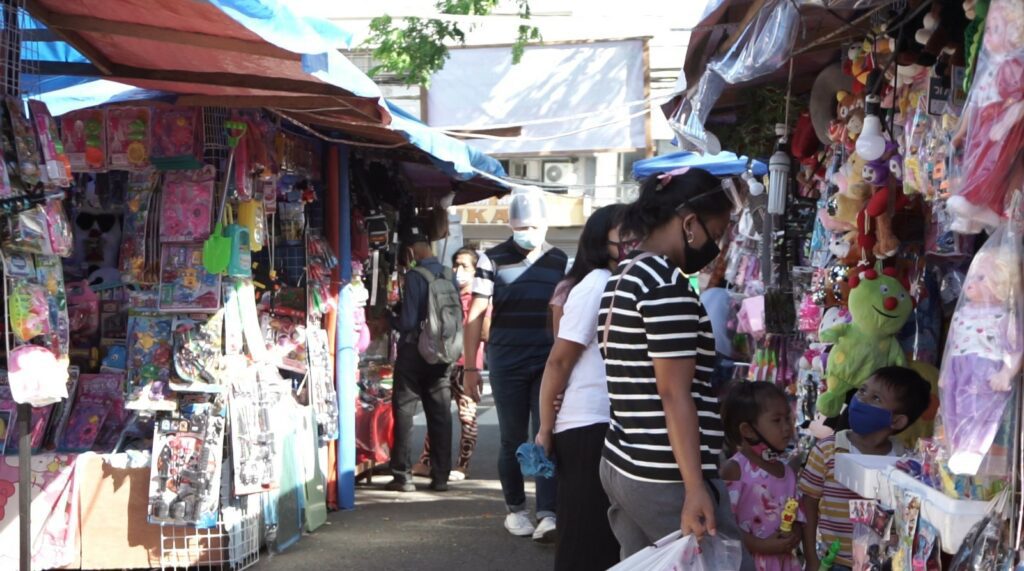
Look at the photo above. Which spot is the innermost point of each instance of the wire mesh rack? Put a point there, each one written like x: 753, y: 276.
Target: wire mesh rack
x: 233, y: 544
x: 215, y: 137
x: 17, y: 49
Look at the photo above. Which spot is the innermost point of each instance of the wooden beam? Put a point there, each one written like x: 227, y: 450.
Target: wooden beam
x: 78, y: 24
x: 98, y: 58
x: 501, y: 132
x: 335, y: 104
x: 224, y: 79
x: 63, y: 68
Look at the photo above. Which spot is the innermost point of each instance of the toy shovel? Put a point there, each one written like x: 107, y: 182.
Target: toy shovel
x: 217, y: 248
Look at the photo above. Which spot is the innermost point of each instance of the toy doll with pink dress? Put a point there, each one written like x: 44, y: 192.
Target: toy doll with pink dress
x: 992, y: 128
x: 983, y: 354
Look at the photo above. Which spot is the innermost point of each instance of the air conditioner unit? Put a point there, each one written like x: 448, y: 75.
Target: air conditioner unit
x: 526, y: 169
x: 561, y: 173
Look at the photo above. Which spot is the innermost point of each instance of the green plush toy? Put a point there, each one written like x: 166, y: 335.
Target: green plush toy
x: 880, y: 306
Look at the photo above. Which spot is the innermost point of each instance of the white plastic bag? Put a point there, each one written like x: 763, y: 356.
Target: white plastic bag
x: 677, y: 553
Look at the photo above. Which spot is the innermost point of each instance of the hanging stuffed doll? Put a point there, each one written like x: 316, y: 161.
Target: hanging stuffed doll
x: 983, y: 352
x: 992, y: 128
x: 880, y: 305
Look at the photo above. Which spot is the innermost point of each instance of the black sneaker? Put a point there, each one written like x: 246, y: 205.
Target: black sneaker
x: 439, y: 486
x: 403, y: 486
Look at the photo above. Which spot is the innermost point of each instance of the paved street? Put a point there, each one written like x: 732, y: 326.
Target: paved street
x: 461, y: 529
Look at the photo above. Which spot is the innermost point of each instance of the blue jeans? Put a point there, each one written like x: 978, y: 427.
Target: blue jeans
x: 517, y: 399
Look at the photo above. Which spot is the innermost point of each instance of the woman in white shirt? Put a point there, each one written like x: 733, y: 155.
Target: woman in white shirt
x: 575, y: 433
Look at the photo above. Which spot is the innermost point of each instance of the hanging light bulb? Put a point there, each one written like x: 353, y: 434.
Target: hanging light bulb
x: 871, y: 143
x: 778, y: 175
x: 754, y: 186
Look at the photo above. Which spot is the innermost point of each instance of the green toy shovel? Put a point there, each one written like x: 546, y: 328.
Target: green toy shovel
x: 217, y: 248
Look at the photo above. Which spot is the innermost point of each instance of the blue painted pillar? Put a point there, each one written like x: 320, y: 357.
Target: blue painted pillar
x: 346, y: 359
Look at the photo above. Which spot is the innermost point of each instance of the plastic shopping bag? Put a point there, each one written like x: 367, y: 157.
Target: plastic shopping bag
x: 677, y: 553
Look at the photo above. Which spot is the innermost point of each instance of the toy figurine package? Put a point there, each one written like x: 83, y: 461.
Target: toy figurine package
x: 139, y: 208
x: 85, y: 139
x: 25, y: 145
x: 128, y: 138
x: 323, y: 396
x: 253, y: 397
x: 149, y: 355
x: 286, y: 340
x: 185, y: 285
x: 57, y: 165
x: 184, y: 485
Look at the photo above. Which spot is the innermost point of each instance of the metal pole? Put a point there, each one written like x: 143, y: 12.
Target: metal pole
x: 345, y: 358
x: 24, y: 423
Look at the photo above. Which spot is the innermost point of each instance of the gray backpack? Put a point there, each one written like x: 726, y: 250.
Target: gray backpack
x: 440, y: 338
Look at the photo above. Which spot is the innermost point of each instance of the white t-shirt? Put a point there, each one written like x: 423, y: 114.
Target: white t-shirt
x: 586, y: 396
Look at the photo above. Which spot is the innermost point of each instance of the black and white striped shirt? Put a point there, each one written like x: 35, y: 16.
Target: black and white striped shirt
x: 656, y: 315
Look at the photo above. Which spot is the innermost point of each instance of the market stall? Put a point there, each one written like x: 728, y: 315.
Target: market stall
x: 887, y: 232
x: 193, y: 263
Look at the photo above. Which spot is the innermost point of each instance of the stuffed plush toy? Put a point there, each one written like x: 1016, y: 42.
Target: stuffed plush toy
x: 880, y: 306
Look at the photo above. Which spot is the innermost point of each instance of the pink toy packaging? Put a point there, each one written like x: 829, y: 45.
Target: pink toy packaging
x: 58, y: 167
x: 187, y: 205
x: 177, y: 138
x: 992, y: 127
x: 983, y: 351
x: 128, y: 138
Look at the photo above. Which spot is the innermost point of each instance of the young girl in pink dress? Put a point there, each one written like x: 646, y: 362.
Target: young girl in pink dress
x: 759, y: 424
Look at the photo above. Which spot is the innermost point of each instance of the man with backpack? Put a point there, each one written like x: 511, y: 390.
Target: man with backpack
x: 429, y: 322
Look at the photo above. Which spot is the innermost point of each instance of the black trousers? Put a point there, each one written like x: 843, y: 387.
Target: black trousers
x: 585, y: 538
x: 418, y: 381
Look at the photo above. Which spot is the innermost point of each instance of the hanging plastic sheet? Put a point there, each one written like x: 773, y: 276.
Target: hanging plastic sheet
x: 761, y: 48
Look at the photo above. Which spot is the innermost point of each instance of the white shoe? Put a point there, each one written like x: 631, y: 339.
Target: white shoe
x: 519, y: 524
x: 546, y: 531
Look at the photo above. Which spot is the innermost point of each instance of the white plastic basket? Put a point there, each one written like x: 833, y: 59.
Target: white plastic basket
x: 875, y: 477
x: 233, y: 544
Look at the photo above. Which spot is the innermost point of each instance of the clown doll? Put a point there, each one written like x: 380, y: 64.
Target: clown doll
x: 983, y: 356
x: 992, y: 129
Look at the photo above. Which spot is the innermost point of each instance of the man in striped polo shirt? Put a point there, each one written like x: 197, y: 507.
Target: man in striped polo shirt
x: 518, y: 277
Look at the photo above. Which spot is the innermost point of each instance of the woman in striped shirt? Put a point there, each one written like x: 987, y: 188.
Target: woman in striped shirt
x: 660, y: 461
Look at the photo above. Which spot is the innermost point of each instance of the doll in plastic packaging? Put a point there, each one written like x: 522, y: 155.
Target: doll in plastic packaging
x: 983, y: 353
x: 993, y: 122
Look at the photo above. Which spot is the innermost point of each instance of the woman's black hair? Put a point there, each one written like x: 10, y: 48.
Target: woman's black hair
x: 743, y: 402
x: 466, y: 252
x: 658, y: 202
x: 592, y: 249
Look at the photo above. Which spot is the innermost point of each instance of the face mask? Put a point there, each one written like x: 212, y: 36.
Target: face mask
x: 463, y: 278
x: 867, y: 419
x: 529, y: 240
x: 766, y: 451
x: 698, y: 258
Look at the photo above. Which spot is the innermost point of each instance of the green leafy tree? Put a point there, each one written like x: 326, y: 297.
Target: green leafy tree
x: 415, y: 48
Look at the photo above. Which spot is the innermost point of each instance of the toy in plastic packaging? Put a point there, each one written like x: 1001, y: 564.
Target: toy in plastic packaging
x: 198, y: 347
x: 926, y: 548
x: 28, y: 232
x: 177, y: 138
x: 149, y: 360
x: 983, y: 350
x: 28, y: 311
x: 85, y: 139
x: 187, y: 205
x: 184, y: 486
x: 985, y: 548
x: 62, y: 241
x: 50, y: 273
x: 677, y: 553
x: 84, y: 425
x: 253, y: 397
x: 292, y: 217
x: 323, y: 396
x: 909, y: 510
x: 286, y: 341
x: 58, y: 167
x: 871, y: 527
x: 37, y: 423
x: 36, y: 376
x: 128, y: 137
x: 992, y: 126
x: 139, y: 205
x: 185, y: 285
x: 25, y: 144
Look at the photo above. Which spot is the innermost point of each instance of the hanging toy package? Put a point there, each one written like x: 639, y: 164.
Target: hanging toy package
x: 983, y: 350
x: 992, y: 127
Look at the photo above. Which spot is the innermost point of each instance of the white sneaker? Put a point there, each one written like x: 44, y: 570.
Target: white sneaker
x: 519, y: 524
x: 546, y: 531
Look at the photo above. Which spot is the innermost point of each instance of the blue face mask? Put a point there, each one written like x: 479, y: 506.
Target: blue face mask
x: 867, y: 419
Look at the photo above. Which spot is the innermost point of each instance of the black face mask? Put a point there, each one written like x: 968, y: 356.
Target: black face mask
x: 698, y: 258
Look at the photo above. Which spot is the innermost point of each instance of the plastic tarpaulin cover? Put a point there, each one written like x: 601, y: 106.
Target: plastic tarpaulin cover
x: 722, y: 164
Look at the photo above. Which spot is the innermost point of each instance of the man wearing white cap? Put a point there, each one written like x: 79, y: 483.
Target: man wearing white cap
x: 518, y: 277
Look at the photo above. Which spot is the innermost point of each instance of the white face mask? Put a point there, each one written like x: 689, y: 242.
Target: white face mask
x: 529, y: 239
x: 463, y: 278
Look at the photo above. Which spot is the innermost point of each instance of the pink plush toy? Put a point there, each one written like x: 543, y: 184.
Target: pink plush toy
x: 983, y: 356
x: 993, y: 120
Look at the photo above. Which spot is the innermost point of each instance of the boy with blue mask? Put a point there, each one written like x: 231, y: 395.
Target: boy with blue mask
x: 887, y: 403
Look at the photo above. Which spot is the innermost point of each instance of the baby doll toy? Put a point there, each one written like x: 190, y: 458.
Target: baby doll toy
x: 983, y: 356
x: 880, y: 305
x: 992, y: 128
